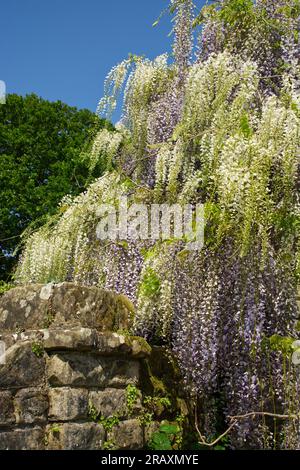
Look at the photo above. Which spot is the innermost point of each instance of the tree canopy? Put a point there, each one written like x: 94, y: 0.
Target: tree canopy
x: 40, y: 155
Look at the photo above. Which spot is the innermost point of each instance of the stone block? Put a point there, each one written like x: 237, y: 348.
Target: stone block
x: 76, y: 369
x: 23, y: 439
x: 7, y: 416
x: 87, y: 370
x: 127, y: 435
x: 79, y: 339
x: 75, y: 436
x: 113, y: 402
x: 121, y: 372
x: 90, y: 307
x: 31, y: 406
x: 118, y: 344
x: 67, y: 404
x: 23, y: 308
x: 22, y: 368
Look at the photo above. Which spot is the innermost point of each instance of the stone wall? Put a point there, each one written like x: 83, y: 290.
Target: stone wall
x: 73, y: 378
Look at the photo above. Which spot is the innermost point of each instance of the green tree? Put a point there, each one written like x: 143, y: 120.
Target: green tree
x: 40, y: 162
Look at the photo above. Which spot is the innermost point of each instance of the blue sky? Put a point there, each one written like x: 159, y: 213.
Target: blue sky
x: 63, y: 49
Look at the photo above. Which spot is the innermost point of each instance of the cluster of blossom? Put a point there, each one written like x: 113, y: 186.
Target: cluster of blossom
x: 64, y: 248
x: 105, y: 146
x: 217, y: 311
x: 113, y: 87
x: 183, y: 34
x: 147, y: 83
x: 204, y: 133
x: 267, y: 33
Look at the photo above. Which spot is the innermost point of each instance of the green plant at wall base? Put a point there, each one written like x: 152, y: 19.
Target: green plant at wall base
x: 165, y: 402
x: 132, y: 395
x: 179, y: 436
x: 165, y: 437
x: 37, y: 349
x: 223, y: 444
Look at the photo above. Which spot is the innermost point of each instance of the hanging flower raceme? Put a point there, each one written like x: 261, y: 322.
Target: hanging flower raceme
x: 266, y: 31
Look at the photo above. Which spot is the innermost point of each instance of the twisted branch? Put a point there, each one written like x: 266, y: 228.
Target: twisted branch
x: 234, y: 420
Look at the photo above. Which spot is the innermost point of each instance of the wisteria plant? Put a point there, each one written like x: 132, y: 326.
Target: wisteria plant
x: 219, y: 126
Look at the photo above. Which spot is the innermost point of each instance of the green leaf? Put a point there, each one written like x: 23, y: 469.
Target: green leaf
x: 169, y: 428
x: 160, y: 441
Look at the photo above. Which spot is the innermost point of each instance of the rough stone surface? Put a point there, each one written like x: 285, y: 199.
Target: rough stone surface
x: 76, y: 370
x: 31, y: 406
x: 112, y: 402
x: 67, y: 368
x: 123, y: 372
x: 75, y: 436
x: 93, y: 371
x: 67, y: 404
x: 80, y: 339
x: 127, y: 435
x: 7, y: 416
x: 22, y: 308
x: 22, y: 368
x: 150, y: 429
x: 37, y: 306
x: 22, y: 439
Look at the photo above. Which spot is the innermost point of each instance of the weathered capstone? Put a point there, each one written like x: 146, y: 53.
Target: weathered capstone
x: 36, y: 306
x: 71, y: 379
x: 82, y: 339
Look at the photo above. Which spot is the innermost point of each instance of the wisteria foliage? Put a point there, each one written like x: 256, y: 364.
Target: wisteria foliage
x: 223, y: 131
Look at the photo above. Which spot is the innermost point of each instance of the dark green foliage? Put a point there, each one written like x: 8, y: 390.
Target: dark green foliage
x: 165, y: 437
x: 40, y: 152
